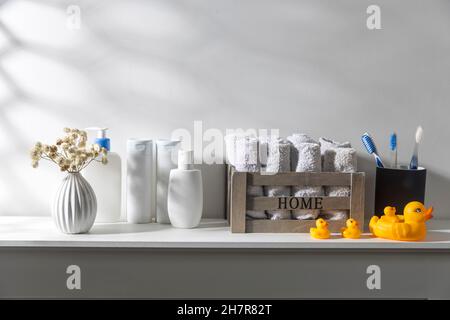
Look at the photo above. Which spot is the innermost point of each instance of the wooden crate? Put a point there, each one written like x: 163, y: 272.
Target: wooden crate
x: 238, y: 202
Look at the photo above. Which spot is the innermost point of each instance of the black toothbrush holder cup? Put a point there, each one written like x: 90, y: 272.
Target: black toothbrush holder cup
x: 398, y: 187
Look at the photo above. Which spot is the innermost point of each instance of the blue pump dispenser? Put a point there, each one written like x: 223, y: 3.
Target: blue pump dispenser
x: 101, y: 138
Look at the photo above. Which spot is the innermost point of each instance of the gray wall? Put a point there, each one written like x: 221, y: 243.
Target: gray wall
x: 145, y: 68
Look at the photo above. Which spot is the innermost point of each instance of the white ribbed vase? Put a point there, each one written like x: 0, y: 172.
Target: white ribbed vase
x: 75, y: 205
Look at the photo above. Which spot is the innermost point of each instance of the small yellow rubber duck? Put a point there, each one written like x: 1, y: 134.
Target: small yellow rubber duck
x: 321, y: 232
x: 407, y: 227
x: 352, y: 230
x: 390, y: 216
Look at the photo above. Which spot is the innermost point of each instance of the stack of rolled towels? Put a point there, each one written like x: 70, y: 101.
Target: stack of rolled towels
x: 297, y: 153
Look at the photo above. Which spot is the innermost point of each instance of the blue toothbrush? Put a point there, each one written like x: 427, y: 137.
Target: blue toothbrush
x: 393, y: 147
x: 371, y: 148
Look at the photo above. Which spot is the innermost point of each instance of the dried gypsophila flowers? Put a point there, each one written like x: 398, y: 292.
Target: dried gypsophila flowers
x: 70, y: 153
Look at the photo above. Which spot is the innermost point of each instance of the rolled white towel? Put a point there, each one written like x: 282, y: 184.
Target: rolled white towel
x: 278, y: 160
x: 326, y: 144
x: 340, y: 160
x: 305, y: 157
x: 246, y: 155
x: 334, y: 215
x: 301, y: 138
x: 297, y: 139
x: 242, y: 153
x: 337, y: 157
x: 255, y: 191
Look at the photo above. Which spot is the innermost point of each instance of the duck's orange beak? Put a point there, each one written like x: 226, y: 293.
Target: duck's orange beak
x: 429, y: 213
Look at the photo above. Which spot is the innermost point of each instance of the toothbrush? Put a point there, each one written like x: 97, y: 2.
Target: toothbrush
x: 393, y: 147
x: 371, y: 148
x: 414, y: 164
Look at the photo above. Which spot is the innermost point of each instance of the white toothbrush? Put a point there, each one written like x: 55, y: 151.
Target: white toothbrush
x: 414, y: 164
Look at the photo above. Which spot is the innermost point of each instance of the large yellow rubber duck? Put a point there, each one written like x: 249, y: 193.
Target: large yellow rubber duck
x: 351, y: 231
x: 321, y: 232
x: 407, y: 227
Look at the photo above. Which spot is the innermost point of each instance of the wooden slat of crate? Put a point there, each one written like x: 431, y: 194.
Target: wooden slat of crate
x: 238, y: 202
x: 229, y: 173
x: 271, y: 203
x: 240, y: 180
x: 288, y: 226
x: 300, y: 179
x: 357, y: 198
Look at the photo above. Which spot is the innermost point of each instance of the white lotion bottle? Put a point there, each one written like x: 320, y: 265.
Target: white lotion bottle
x: 106, y: 180
x: 185, y: 197
x: 139, y: 180
x: 166, y: 160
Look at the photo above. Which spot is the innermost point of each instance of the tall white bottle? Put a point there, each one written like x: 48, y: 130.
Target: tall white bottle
x: 106, y: 180
x: 166, y: 160
x: 185, y: 198
x: 139, y: 180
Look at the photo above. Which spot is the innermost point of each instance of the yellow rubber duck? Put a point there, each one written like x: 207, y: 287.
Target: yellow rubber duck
x: 321, y: 232
x: 352, y: 230
x: 407, y: 227
x: 390, y: 216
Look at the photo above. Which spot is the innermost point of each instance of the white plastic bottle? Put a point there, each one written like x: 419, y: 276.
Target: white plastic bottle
x: 185, y: 198
x: 106, y: 180
x: 139, y: 180
x: 166, y: 160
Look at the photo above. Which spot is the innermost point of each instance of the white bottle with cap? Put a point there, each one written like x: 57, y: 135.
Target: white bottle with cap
x: 139, y: 180
x: 166, y: 160
x: 185, y: 198
x: 106, y: 180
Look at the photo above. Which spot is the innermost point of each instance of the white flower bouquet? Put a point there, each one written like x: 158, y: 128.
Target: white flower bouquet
x: 70, y: 153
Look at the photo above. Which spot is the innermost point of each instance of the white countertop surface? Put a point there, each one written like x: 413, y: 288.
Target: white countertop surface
x: 41, y: 232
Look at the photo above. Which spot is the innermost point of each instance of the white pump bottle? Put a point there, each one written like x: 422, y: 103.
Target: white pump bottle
x: 106, y: 180
x: 185, y: 199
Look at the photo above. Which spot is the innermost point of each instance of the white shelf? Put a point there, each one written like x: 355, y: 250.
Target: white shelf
x: 41, y: 232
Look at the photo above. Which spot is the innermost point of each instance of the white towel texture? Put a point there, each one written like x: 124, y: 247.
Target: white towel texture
x: 242, y: 153
x: 278, y: 160
x: 337, y: 157
x: 326, y: 144
x: 305, y: 157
